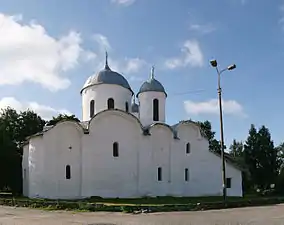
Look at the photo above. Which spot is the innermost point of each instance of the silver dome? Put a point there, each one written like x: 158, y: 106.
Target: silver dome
x: 107, y: 76
x: 152, y: 85
x: 134, y: 107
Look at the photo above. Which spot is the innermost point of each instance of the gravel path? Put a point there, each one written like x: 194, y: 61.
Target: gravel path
x: 255, y: 215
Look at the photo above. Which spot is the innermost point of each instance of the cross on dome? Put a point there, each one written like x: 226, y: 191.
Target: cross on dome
x: 152, y: 72
x: 106, y: 63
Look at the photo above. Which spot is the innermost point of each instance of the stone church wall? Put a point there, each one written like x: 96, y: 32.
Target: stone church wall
x: 144, y: 165
x: 103, y: 173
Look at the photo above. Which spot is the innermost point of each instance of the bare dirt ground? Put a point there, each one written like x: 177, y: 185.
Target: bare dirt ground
x: 256, y: 215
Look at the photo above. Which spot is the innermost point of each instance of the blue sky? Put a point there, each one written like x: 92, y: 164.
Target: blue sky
x: 49, y: 48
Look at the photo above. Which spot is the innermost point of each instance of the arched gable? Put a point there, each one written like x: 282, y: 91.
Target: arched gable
x: 77, y: 125
x: 63, y: 150
x: 189, y: 123
x: 164, y: 125
x: 48, y: 128
x: 118, y: 112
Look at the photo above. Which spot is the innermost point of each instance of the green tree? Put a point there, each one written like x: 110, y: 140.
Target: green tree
x: 14, y: 127
x: 280, y: 152
x: 237, y: 153
x: 280, y: 179
x: 261, y: 157
x: 236, y: 149
x: 9, y: 155
x: 29, y: 124
x: 206, y: 129
x: 62, y: 117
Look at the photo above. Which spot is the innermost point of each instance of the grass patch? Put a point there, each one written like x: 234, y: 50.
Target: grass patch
x: 158, y: 204
x: 159, y: 200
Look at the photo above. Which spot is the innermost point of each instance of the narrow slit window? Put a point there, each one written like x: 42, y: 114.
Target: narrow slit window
x: 186, y: 174
x: 92, y: 108
x: 228, y: 182
x: 110, y: 103
x: 126, y: 107
x: 115, y: 149
x: 68, y: 172
x: 160, y: 174
x: 187, y: 148
x: 156, y: 109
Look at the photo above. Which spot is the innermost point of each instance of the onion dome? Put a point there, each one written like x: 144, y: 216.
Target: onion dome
x: 107, y: 76
x: 134, y: 106
x: 152, y: 85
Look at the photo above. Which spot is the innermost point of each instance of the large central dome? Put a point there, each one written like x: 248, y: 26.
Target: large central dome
x: 107, y: 76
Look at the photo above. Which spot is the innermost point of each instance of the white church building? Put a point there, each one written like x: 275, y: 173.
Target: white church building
x: 123, y: 149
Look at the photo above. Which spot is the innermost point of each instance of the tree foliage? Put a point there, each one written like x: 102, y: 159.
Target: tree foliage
x: 62, y: 117
x: 14, y: 128
x: 261, y: 157
x: 206, y: 129
x: 236, y: 151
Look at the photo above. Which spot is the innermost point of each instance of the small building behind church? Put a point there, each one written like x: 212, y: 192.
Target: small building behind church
x: 123, y: 149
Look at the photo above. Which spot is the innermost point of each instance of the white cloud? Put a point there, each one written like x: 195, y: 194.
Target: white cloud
x: 281, y: 20
x: 128, y: 65
x: 191, y: 55
x: 123, y: 2
x: 204, y: 29
x: 88, y: 56
x: 230, y: 107
x: 29, y: 53
x: 124, y: 65
x: 46, y: 112
x: 242, y: 2
x: 136, y: 79
x: 103, y: 42
x: 134, y: 64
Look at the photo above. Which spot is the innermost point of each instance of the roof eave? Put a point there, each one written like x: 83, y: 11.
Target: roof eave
x: 104, y: 83
x: 151, y: 91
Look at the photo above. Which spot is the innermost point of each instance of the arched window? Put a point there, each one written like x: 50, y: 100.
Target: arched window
x: 92, y: 108
x: 159, y: 173
x: 126, y: 107
x: 68, y: 172
x: 187, y: 148
x: 186, y: 174
x: 228, y: 182
x: 115, y: 149
x: 110, y: 103
x: 156, y: 109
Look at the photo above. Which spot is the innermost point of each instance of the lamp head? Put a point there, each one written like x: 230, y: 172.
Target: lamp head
x: 231, y: 67
x: 213, y: 63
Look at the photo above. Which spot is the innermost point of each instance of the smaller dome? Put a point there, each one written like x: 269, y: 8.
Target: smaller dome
x: 152, y: 85
x: 134, y: 107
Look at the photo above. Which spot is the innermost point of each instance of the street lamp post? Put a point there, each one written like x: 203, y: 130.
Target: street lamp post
x: 219, y: 72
